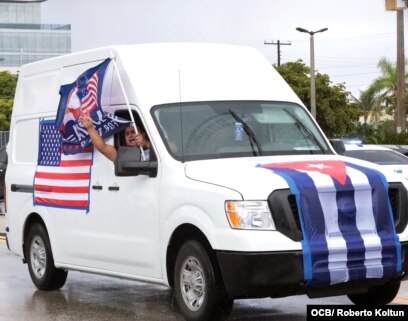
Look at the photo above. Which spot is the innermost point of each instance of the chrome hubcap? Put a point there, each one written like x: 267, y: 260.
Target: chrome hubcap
x: 38, y: 257
x: 192, y: 283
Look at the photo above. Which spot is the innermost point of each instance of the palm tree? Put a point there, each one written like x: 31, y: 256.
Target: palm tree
x: 369, y: 102
x: 387, y: 82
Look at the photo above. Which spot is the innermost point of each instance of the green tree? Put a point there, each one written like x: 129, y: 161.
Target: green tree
x: 6, y: 106
x: 385, y: 133
x: 335, y: 115
x: 8, y: 84
x: 387, y: 82
x: 369, y: 102
x: 296, y: 75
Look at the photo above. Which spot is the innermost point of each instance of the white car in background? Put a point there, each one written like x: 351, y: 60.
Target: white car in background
x: 388, y: 158
x: 402, y: 149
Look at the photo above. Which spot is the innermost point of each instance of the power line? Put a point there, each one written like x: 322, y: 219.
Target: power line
x: 359, y: 74
x: 350, y: 66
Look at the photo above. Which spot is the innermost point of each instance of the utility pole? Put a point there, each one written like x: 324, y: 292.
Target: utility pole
x: 399, y: 6
x: 278, y: 43
x: 312, y: 69
x: 400, y: 72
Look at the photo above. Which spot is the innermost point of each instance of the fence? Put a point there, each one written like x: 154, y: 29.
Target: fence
x: 4, y: 138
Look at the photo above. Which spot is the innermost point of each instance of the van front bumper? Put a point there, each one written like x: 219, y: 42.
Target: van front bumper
x: 279, y: 274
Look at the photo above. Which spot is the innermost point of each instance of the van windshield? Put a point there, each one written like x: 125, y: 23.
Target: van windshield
x: 207, y: 130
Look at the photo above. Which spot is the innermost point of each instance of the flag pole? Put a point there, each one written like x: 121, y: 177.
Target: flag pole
x: 115, y: 66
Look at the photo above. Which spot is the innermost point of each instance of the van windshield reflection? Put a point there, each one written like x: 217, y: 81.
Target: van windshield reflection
x: 207, y: 130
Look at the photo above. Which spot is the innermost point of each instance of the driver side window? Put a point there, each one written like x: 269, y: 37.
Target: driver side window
x: 129, y: 137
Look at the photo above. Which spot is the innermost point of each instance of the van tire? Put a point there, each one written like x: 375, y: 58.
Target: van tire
x: 377, y: 295
x: 43, y: 272
x: 208, y: 299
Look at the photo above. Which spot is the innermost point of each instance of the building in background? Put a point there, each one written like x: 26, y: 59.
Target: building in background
x: 24, y: 39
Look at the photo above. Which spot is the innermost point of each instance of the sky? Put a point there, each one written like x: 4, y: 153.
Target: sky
x: 360, y: 32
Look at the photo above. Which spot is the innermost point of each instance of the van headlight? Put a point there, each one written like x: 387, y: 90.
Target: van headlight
x: 249, y: 215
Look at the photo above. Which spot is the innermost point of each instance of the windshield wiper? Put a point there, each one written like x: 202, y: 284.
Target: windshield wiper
x: 304, y: 130
x: 249, y: 132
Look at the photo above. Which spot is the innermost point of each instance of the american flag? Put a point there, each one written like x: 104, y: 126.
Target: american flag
x: 61, y: 180
x: 89, y: 94
x: 346, y: 220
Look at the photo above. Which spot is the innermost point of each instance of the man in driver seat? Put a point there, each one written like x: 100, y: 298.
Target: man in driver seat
x: 132, y: 138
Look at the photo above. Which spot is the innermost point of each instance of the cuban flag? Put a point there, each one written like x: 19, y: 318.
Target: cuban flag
x: 61, y: 180
x: 346, y: 220
x: 84, y: 95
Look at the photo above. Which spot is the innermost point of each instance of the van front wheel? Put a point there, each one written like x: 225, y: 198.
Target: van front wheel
x: 198, y: 294
x: 41, y: 262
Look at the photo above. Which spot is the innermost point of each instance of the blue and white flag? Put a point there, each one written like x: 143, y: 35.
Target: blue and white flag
x: 346, y: 220
x: 84, y: 95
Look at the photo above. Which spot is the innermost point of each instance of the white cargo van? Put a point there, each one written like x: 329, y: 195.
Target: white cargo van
x: 242, y: 196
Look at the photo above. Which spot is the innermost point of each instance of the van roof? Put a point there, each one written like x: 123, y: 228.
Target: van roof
x: 155, y: 74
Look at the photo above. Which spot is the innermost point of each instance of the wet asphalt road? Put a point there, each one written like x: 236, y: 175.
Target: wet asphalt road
x: 97, y: 298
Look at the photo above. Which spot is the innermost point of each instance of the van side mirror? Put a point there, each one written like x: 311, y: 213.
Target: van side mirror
x: 338, y: 146
x: 128, y: 163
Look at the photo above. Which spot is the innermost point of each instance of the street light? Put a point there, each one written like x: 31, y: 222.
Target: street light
x: 312, y: 69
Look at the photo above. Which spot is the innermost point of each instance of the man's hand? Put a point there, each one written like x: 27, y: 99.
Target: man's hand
x: 85, y: 120
x: 140, y: 140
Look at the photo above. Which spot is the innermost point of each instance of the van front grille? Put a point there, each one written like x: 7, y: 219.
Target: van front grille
x: 294, y: 208
x: 285, y: 213
x: 397, y: 195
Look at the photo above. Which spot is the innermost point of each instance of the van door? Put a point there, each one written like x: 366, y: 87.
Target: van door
x: 120, y: 233
x: 126, y: 215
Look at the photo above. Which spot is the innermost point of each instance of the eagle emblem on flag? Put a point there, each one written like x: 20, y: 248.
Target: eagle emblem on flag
x: 84, y: 95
